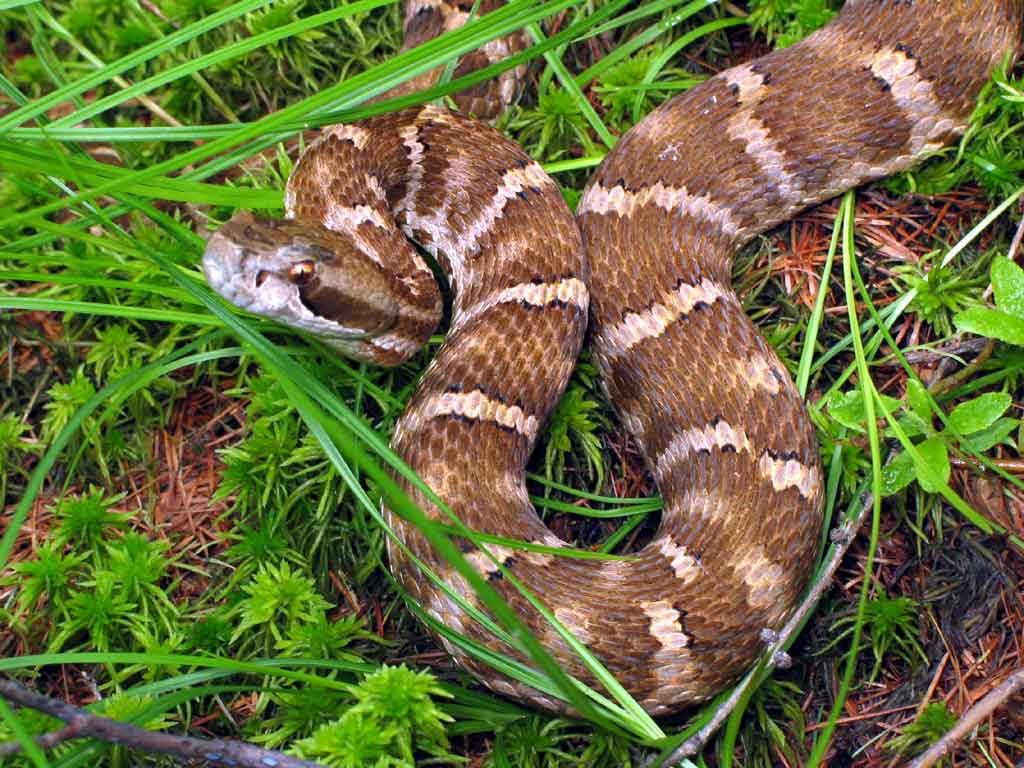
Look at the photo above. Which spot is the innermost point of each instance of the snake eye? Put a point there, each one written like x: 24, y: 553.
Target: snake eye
x: 300, y: 274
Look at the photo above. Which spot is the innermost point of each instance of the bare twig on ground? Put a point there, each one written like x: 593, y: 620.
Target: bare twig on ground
x: 82, y: 724
x: 971, y: 719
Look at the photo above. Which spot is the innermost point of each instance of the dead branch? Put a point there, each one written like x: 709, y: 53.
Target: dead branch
x: 81, y: 724
x: 971, y: 719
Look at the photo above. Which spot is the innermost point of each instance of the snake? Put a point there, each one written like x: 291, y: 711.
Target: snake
x: 647, y: 260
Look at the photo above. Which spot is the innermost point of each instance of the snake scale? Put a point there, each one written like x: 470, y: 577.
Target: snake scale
x: 648, y: 258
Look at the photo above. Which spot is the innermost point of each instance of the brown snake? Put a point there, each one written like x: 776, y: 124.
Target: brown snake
x: 719, y: 422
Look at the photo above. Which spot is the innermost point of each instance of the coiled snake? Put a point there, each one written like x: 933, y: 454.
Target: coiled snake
x: 720, y: 424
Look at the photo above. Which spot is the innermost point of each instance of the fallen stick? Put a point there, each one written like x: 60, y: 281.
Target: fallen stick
x: 81, y: 724
x: 971, y: 719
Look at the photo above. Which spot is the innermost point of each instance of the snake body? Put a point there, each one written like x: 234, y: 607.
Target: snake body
x: 713, y: 410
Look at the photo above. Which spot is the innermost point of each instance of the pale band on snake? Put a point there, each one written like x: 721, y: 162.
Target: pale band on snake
x: 647, y: 259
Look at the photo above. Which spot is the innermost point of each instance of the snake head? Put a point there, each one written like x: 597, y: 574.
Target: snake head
x: 303, y: 275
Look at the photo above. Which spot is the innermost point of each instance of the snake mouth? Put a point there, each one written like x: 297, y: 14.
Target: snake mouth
x: 242, y: 276
x: 237, y: 274
x: 222, y: 264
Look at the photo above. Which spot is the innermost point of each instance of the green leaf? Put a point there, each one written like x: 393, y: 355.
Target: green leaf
x: 979, y: 413
x: 917, y: 399
x: 998, y: 433
x: 992, y: 323
x: 848, y: 408
x: 915, y: 426
x: 897, y: 474
x: 1008, y: 286
x: 933, y: 467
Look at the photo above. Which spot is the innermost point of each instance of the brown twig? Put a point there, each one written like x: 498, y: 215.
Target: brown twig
x: 971, y: 719
x: 842, y: 537
x: 82, y: 724
x: 1013, y: 466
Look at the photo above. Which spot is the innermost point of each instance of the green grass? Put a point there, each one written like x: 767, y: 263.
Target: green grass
x: 193, y: 496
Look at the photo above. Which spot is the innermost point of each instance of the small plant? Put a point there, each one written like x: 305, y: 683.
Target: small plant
x: 975, y: 425
x: 933, y: 723
x: 326, y: 639
x: 994, y: 150
x: 101, y: 612
x: 890, y: 624
x: 281, y: 486
x: 403, y: 697
x: 210, y: 634
x: 576, y: 419
x: 352, y: 742
x: 34, y: 724
x: 13, y: 443
x: 30, y: 73
x: 550, y: 130
x: 139, y: 565
x: 129, y: 708
x: 607, y: 750
x: 65, y: 399
x: 43, y: 582
x: 278, y: 600
x: 295, y: 714
x: 535, y: 741
x: 991, y: 153
x: 86, y: 522
x: 1006, y: 322
x: 394, y: 716
x: 126, y: 708
x: 252, y: 468
x: 116, y: 351
x: 784, y: 22
x: 262, y: 544
x: 941, y: 291
x: 624, y: 93
x: 154, y: 640
x: 776, y: 725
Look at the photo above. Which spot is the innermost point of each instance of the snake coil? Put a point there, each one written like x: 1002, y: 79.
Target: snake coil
x: 719, y: 422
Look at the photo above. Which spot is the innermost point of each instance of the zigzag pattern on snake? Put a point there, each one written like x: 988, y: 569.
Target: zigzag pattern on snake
x: 719, y: 422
